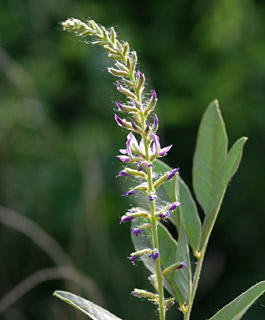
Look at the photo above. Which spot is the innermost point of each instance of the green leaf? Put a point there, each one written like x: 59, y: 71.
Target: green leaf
x: 178, y: 190
x: 167, y: 245
x: 189, y: 213
x: 181, y: 279
x: 238, y: 307
x: 92, y: 310
x: 228, y: 170
x: 177, y: 283
x: 210, y: 154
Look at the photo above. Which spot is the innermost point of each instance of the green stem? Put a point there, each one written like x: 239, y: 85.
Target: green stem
x: 196, y: 279
x: 154, y: 221
x: 156, y: 246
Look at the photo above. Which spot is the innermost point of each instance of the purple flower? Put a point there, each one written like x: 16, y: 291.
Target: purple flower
x: 164, y: 215
x: 154, y: 96
x: 173, y: 206
x: 152, y: 197
x: 136, y: 231
x: 126, y: 218
x: 118, y: 84
x: 134, y: 258
x: 154, y: 255
x: 156, y: 144
x: 133, y: 125
x: 155, y: 124
x: 165, y: 150
x: 172, y: 174
x: 123, y: 173
x: 124, y: 159
x: 120, y: 121
x: 118, y: 105
x: 140, y: 75
x: 132, y: 210
x: 136, y: 294
x: 143, y: 164
x: 129, y: 193
x: 182, y: 265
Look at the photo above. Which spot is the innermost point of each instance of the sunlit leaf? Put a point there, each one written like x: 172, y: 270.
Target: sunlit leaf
x: 210, y: 155
x: 238, y: 307
x: 181, y: 279
x: 187, y: 206
x: 92, y: 310
x: 167, y: 245
x: 229, y: 169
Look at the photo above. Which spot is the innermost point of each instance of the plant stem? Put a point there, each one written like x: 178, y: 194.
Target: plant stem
x: 156, y: 246
x: 196, y: 279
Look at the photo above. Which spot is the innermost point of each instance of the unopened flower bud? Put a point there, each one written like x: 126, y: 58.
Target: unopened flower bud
x: 136, y: 231
x: 151, y: 105
x: 174, y: 205
x: 154, y: 255
x: 120, y: 121
x: 172, y: 174
x: 129, y: 193
x: 174, y: 267
x: 117, y: 73
x: 138, y: 254
x: 126, y: 218
x: 144, y: 294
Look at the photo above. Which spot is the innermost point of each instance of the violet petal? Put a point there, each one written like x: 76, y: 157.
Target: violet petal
x: 172, y: 174
x: 174, y: 205
x: 126, y: 218
x: 136, y: 231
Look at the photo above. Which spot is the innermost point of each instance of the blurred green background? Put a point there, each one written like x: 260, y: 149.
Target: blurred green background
x: 59, y: 141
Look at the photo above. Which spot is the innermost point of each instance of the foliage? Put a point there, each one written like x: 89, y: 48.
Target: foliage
x: 213, y: 168
x: 56, y: 126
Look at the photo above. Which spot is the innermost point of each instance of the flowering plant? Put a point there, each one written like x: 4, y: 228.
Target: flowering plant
x: 168, y: 260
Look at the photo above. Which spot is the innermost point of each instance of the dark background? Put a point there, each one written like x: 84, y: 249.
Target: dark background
x: 59, y: 141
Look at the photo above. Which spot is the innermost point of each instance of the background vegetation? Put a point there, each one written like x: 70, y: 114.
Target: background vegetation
x: 58, y: 142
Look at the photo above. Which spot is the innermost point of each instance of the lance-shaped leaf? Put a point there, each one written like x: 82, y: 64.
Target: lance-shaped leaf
x: 181, y: 279
x: 92, y: 310
x: 170, y: 253
x: 178, y: 190
x: 238, y: 307
x: 228, y: 170
x: 167, y: 246
x: 210, y: 154
x: 189, y: 213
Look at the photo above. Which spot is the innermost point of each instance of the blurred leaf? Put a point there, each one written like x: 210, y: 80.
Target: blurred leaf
x: 87, y: 307
x: 238, y: 307
x: 210, y: 154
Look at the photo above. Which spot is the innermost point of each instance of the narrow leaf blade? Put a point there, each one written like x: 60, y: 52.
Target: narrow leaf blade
x: 178, y: 190
x: 189, y: 213
x: 92, y: 310
x: 229, y: 169
x: 167, y: 245
x: 210, y: 154
x: 182, y: 278
x: 238, y: 307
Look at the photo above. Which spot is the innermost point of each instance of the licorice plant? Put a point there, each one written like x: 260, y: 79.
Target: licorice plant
x: 169, y: 261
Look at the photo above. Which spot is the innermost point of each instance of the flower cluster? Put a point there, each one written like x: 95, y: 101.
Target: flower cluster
x: 142, y: 147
